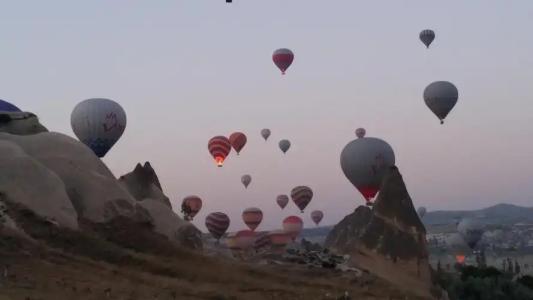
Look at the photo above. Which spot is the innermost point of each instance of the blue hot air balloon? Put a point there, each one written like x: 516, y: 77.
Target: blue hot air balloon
x: 6, y: 106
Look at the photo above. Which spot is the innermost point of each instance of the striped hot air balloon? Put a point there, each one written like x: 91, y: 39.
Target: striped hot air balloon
x: 190, y: 206
x: 301, y: 196
x: 283, y: 59
x: 237, y: 141
x: 262, y: 241
x: 427, y: 36
x: 316, y: 216
x: 265, y: 133
x: 282, y: 200
x: 360, y: 132
x: 217, y: 223
x: 293, y: 225
x: 219, y: 147
x: 252, y: 217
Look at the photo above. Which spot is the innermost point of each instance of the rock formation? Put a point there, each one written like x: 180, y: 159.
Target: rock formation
x: 61, y: 181
x: 389, y: 240
x: 142, y: 183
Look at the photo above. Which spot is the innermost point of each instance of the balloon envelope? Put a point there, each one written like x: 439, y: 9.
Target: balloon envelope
x: 360, y: 132
x: 246, y: 179
x: 441, y: 97
x: 219, y: 147
x: 98, y: 123
x: 427, y: 36
x: 237, y: 141
x: 421, y: 211
x: 265, y: 133
x: 301, y: 196
x: 365, y: 162
x: 282, y: 200
x: 316, y: 216
x: 471, y: 230
x: 284, y: 145
x: 190, y: 206
x: 6, y: 106
x: 293, y: 225
x: 252, y: 217
x: 245, y: 239
x: 217, y: 223
x: 283, y: 59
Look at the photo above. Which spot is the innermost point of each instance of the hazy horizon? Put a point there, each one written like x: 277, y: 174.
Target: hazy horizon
x: 185, y: 71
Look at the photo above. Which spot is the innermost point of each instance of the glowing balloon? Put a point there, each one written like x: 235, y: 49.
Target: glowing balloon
x: 301, y: 196
x: 190, y: 206
x: 441, y: 97
x: 365, y: 162
x: 217, y: 223
x: 237, y: 141
x: 98, y: 123
x: 252, y: 217
x: 283, y: 59
x: 219, y: 147
x: 282, y: 200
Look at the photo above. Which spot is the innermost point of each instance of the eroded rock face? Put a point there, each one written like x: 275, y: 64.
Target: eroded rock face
x: 389, y: 239
x: 91, y: 187
x: 24, y: 180
x: 20, y: 123
x: 142, y: 183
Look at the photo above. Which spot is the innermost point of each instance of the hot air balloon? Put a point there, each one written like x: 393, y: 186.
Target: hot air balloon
x: 98, y: 123
x: 217, y: 223
x: 316, y: 216
x: 6, y: 106
x: 231, y: 241
x: 190, y: 206
x: 245, y: 239
x: 364, y: 162
x: 301, y: 196
x: 282, y: 200
x: 293, y: 225
x: 283, y: 59
x: 360, y: 132
x: 279, y: 239
x: 460, y: 259
x: 246, y: 179
x: 427, y: 36
x: 441, y: 97
x: 421, y: 211
x: 262, y: 240
x: 237, y: 141
x: 471, y: 230
x: 284, y: 145
x: 252, y: 217
x: 265, y: 133
x: 219, y: 147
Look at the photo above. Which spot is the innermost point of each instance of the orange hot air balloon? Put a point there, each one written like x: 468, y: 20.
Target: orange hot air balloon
x: 252, y: 217
x: 293, y: 225
x: 460, y: 259
x: 190, y: 206
x: 237, y: 141
x: 219, y: 147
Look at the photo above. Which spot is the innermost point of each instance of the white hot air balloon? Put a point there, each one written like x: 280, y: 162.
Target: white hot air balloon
x: 284, y: 145
x: 246, y: 179
x: 441, y: 97
x: 365, y: 162
x: 98, y: 123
